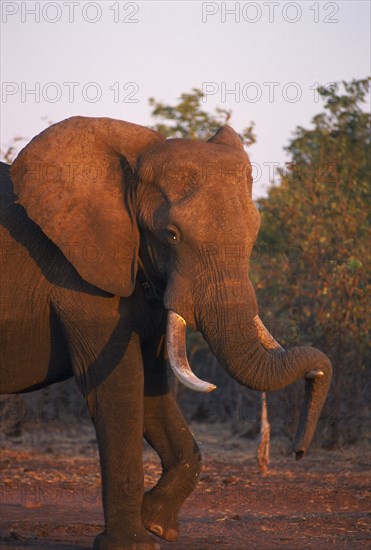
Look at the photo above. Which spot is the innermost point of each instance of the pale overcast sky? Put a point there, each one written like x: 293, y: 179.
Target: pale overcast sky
x: 262, y: 60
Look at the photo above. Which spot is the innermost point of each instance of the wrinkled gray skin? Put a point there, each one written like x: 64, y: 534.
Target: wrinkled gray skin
x: 97, y: 199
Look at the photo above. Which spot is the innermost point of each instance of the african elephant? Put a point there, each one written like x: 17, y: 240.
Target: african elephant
x: 116, y: 239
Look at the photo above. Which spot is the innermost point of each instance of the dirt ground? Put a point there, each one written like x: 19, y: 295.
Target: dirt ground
x: 50, y: 494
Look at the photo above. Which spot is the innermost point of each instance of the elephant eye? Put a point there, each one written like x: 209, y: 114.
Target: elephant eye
x: 172, y: 235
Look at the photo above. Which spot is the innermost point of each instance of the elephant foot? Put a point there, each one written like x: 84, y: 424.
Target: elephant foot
x: 136, y: 542
x: 159, y: 518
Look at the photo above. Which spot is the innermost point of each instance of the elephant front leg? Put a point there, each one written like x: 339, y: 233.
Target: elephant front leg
x: 115, y: 400
x: 167, y: 432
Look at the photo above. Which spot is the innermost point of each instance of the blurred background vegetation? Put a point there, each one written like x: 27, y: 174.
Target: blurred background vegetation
x: 309, y: 268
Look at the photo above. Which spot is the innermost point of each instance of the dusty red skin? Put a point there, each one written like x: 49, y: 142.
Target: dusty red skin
x: 94, y: 195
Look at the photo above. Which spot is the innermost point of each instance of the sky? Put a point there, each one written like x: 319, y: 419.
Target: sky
x: 262, y: 60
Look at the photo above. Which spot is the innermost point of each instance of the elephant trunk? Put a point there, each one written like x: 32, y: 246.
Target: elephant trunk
x: 234, y: 339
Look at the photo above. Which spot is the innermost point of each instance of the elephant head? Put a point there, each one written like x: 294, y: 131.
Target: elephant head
x: 111, y: 194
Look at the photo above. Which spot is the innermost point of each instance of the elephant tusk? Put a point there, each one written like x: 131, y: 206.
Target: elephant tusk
x: 269, y: 342
x: 315, y: 373
x: 176, y: 347
x: 265, y: 336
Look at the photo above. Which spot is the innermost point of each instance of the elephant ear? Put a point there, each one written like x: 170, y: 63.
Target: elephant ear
x: 73, y: 179
x: 227, y: 136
